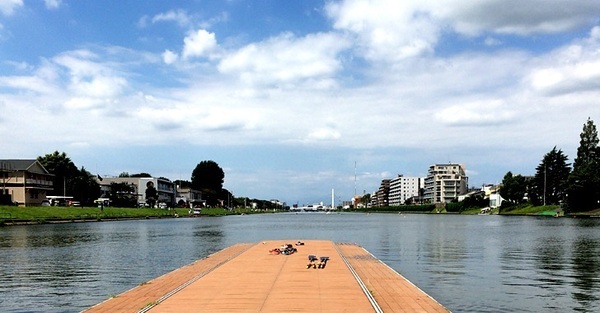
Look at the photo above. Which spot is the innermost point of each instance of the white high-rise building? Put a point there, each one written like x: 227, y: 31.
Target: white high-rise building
x: 403, y: 188
x: 445, y: 182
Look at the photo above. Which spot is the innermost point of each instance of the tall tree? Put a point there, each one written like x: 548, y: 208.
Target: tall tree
x: 550, y: 181
x: 63, y: 169
x: 514, y: 188
x: 584, y: 182
x: 84, y: 187
x: 69, y: 180
x: 208, y: 178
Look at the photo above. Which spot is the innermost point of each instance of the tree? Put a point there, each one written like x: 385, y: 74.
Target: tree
x: 550, y: 181
x: 123, y: 195
x: 151, y: 194
x: 513, y: 188
x: 208, y: 178
x: 84, y: 187
x: 366, y: 199
x: 584, y: 182
x: 68, y: 180
x: 63, y: 169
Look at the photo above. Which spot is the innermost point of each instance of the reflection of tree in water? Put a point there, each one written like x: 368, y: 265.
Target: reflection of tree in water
x: 586, y: 268
x: 209, y: 234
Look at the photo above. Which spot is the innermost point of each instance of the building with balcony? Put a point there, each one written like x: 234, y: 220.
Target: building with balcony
x: 403, y: 188
x: 445, y: 182
x: 24, y: 182
x: 381, y: 197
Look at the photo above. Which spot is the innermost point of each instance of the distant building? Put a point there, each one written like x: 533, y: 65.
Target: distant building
x: 445, y: 182
x: 189, y: 197
x: 381, y: 197
x: 24, y: 182
x: 404, y: 188
x: 164, y: 187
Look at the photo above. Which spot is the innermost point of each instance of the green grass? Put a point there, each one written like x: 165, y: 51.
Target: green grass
x: 529, y: 209
x: 43, y: 214
x: 46, y: 213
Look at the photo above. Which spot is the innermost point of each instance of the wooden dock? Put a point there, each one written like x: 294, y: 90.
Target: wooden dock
x: 248, y: 278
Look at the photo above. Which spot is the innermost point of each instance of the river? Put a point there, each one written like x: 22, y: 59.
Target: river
x: 467, y: 263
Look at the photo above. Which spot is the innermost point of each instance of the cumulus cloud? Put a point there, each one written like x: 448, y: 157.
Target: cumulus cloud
x: 169, y: 57
x: 199, y: 43
x: 386, y: 30
x: 286, y: 59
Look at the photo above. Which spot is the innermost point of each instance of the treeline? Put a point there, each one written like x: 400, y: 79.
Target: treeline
x: 576, y: 189
x: 69, y: 180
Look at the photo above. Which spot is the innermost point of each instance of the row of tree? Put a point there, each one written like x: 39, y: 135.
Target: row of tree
x: 555, y: 182
x: 69, y: 180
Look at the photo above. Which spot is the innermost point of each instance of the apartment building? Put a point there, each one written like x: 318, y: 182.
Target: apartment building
x: 403, y: 188
x: 380, y: 198
x: 445, y: 182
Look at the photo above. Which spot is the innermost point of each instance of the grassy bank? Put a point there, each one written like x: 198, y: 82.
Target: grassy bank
x: 529, y: 209
x: 46, y: 214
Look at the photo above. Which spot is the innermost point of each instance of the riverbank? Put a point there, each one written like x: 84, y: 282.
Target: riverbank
x: 13, y: 215
x: 522, y: 210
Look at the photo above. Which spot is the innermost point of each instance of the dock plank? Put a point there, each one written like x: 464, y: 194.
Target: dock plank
x: 392, y: 291
x: 257, y: 281
x: 150, y: 292
x: 247, y: 278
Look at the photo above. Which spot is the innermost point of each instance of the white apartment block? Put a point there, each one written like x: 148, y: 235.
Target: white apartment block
x: 403, y: 188
x: 445, y: 182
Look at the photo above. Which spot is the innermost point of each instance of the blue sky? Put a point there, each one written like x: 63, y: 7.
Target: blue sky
x: 287, y: 96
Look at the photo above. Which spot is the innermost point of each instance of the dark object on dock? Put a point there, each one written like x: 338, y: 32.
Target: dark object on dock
x: 323, y: 262
x: 311, y: 261
x: 286, y: 249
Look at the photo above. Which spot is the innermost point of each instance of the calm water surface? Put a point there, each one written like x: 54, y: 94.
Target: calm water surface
x: 468, y: 263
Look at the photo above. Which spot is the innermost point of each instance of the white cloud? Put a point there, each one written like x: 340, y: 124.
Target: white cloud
x: 391, y: 31
x: 8, y: 7
x: 386, y: 30
x: 169, y: 57
x: 198, y: 44
x: 570, y: 69
x: 477, y: 113
x: 324, y: 134
x: 178, y: 16
x: 53, y: 4
x: 90, y: 82
x: 286, y: 59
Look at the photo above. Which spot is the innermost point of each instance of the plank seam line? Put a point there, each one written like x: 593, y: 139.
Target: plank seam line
x: 410, y: 282
x: 276, y: 278
x: 362, y: 285
x: 191, y: 281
